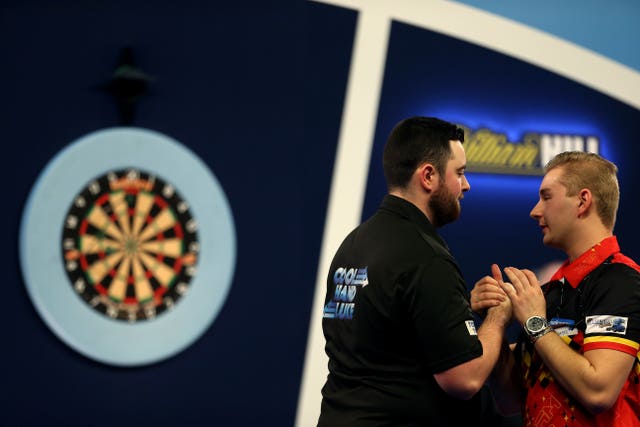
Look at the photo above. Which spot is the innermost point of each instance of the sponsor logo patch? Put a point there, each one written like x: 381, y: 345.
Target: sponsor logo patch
x: 606, y: 324
x: 471, y: 327
x: 563, y: 327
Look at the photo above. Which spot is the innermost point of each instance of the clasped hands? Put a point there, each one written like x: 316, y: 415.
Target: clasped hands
x: 521, y: 296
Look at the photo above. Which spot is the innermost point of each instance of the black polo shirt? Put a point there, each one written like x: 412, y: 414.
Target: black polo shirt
x: 396, y: 312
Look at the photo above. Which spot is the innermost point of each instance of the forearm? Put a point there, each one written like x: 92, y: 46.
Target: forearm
x: 594, y: 380
x: 465, y: 380
x: 505, y: 382
x: 491, y: 334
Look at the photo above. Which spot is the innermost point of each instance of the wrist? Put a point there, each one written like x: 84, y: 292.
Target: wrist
x: 535, y: 338
x: 497, y: 317
x: 536, y: 327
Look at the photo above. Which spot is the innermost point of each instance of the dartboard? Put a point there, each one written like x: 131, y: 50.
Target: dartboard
x: 127, y: 246
x: 130, y: 245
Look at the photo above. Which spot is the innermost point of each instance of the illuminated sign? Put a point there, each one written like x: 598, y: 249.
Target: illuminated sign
x: 492, y: 152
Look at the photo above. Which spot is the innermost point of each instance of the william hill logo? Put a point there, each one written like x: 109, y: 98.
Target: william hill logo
x: 491, y: 152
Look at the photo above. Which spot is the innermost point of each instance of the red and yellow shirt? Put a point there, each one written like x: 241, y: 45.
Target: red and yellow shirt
x: 593, y: 303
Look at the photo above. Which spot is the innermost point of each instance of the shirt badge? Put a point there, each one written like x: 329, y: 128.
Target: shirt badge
x: 471, y: 327
x: 563, y: 327
x: 606, y: 324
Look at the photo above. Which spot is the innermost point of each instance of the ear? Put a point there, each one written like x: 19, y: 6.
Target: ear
x: 428, y: 176
x: 585, y: 200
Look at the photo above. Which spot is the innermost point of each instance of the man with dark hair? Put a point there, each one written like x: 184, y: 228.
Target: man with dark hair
x: 576, y: 363
x: 402, y: 345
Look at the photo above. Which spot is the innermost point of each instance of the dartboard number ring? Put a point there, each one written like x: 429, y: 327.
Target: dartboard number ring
x: 130, y: 245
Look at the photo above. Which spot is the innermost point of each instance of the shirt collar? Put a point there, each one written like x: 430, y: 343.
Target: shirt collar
x: 577, y: 270
x: 409, y: 211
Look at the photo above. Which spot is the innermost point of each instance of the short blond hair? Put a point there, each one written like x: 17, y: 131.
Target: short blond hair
x: 594, y: 172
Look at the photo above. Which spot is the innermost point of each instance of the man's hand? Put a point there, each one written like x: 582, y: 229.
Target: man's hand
x: 525, y: 294
x: 487, y: 292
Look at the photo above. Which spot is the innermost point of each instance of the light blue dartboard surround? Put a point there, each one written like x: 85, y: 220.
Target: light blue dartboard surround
x: 87, y: 331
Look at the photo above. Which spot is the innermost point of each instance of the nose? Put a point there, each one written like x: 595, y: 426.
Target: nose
x: 465, y: 184
x: 536, y: 212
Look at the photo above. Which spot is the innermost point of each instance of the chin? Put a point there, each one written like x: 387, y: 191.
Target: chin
x: 547, y: 241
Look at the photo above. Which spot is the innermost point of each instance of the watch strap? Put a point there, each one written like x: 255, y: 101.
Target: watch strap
x: 536, y: 337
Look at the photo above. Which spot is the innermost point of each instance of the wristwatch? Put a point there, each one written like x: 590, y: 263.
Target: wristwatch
x: 536, y: 327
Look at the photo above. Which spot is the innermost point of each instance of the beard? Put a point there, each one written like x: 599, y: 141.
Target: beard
x: 444, y: 207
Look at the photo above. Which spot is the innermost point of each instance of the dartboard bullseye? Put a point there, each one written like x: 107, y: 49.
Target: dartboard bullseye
x: 130, y: 245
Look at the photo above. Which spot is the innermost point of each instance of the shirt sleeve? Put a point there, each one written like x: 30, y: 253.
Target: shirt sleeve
x: 438, y: 304
x: 612, y: 311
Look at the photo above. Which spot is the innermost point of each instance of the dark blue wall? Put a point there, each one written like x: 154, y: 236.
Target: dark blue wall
x: 227, y: 83
x: 256, y: 89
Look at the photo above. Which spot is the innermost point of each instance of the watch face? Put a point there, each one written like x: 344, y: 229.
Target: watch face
x: 535, y: 324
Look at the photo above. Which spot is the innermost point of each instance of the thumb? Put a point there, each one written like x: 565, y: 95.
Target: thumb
x: 496, y: 273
